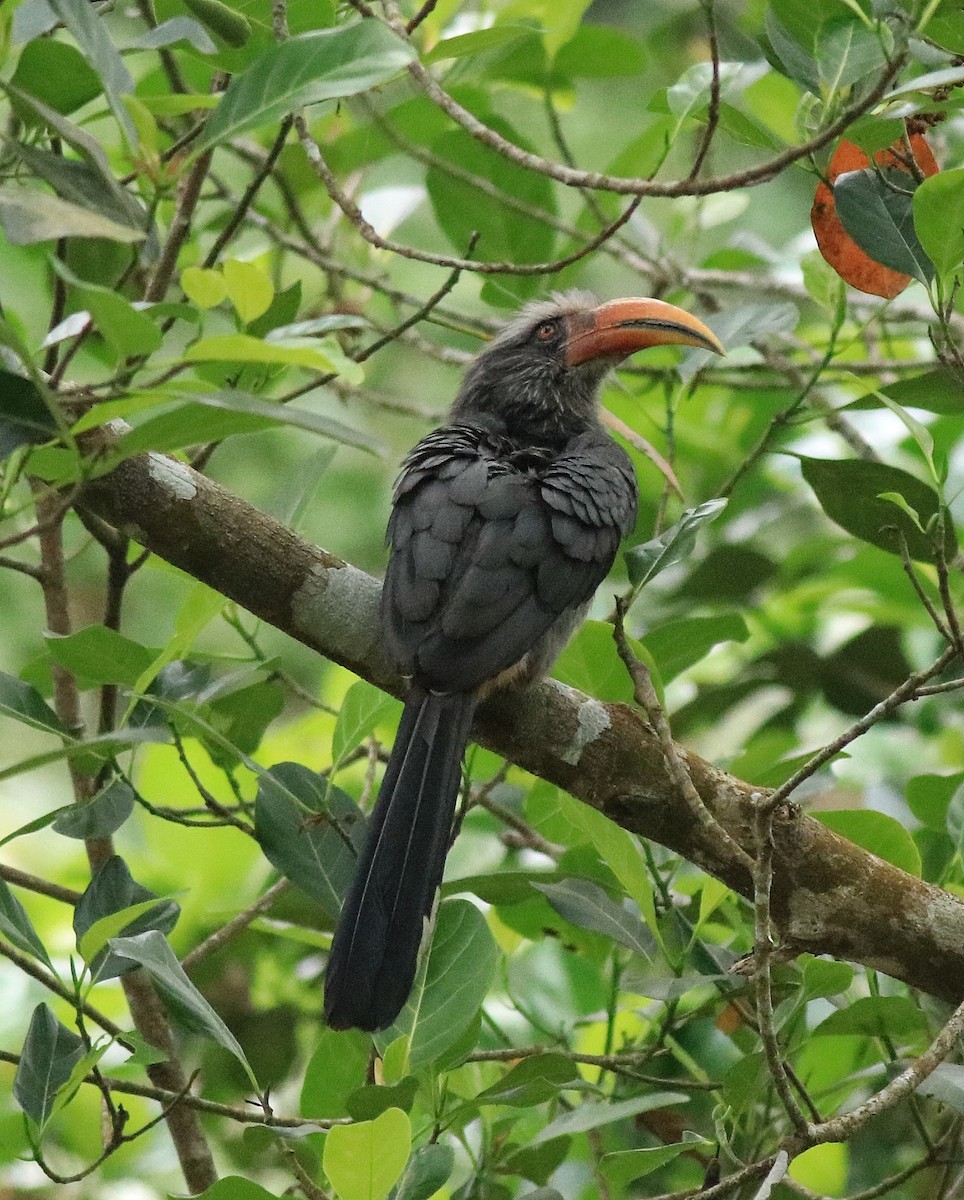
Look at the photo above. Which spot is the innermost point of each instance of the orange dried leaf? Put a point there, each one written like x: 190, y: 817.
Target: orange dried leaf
x: 852, y: 264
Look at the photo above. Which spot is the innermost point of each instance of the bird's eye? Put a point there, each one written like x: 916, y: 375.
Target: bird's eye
x: 546, y: 331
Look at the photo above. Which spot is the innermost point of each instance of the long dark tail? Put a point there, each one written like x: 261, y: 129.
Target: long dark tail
x: 374, y: 954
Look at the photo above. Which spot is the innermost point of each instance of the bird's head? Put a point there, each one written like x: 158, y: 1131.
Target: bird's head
x: 541, y: 374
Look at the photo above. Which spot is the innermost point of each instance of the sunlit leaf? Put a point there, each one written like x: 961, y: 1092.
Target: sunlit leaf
x: 323, y: 65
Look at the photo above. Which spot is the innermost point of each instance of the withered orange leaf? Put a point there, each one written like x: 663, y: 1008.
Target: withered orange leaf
x: 851, y: 263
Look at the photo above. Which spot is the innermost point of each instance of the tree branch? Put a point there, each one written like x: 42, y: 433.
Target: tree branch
x: 828, y: 895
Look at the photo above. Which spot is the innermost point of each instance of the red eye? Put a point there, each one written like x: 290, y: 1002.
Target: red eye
x: 546, y: 331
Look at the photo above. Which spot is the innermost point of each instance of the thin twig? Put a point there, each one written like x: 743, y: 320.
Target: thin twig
x: 648, y: 700
x: 221, y: 936
x: 908, y: 690
x: 762, y: 956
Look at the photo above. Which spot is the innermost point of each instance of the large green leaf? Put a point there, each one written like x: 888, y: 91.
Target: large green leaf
x: 325, y: 65
x: 25, y: 704
x: 308, y: 828
x: 534, y: 1080
x: 363, y: 708
x: 99, y: 655
x: 595, y: 1114
x: 449, y: 992
x: 850, y: 491
x: 337, y: 1067
x: 29, y: 215
x: 677, y: 645
x: 114, y: 903
x: 17, y: 927
x: 895, y: 1017
x: 504, y: 234
x: 587, y: 905
x: 25, y: 418
x: 93, y: 37
x: 46, y: 1063
x: 365, y: 1160
x: 877, y: 832
x: 151, y: 951
x: 645, y: 561
x: 939, y: 219
x: 101, y: 815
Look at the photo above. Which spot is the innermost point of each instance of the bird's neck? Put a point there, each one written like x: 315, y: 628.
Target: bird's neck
x: 549, y: 424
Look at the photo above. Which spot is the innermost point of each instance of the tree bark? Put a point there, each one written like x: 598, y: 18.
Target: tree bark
x: 829, y: 896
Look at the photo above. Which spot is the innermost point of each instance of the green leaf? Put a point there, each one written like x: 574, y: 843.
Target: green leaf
x: 224, y: 22
x: 620, y: 851
x: 25, y: 418
x: 503, y: 235
x: 877, y: 832
x: 849, y: 492
x: 363, y: 709
x: 307, y: 828
x: 29, y: 215
x: 895, y: 1017
x: 56, y: 73
x: 100, y: 655
x: 450, y: 990
x: 249, y: 289
x: 151, y: 951
x: 25, y: 704
x: 623, y: 1166
x: 232, y: 1187
x: 100, y: 816
x: 208, y: 417
x: 464, y: 45
x: 646, y: 561
x: 928, y: 797
x: 591, y: 663
x: 847, y: 50
x: 126, y: 330
x: 427, y: 1172
x: 93, y: 38
x: 338, y: 1066
x: 17, y: 927
x: 825, y: 977
x: 593, y: 1114
x: 364, y: 1161
x: 936, y: 391
x: 324, y: 65
x: 586, y: 904
x: 367, y: 1103
x: 538, y: 1163
x: 46, y: 1063
x: 877, y: 210
x: 206, y: 288
x: 680, y: 644
x: 535, y: 1080
x: 110, y: 893
x: 81, y: 183
x: 315, y: 354
x: 939, y: 218
x: 600, y: 52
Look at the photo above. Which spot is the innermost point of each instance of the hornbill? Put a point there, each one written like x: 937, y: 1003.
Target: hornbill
x: 505, y: 521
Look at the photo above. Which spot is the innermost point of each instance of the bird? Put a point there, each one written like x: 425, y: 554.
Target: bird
x: 504, y: 522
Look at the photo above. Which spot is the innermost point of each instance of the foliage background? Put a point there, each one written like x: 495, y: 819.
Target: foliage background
x: 582, y: 1033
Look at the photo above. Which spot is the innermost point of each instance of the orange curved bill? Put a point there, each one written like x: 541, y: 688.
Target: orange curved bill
x: 621, y: 327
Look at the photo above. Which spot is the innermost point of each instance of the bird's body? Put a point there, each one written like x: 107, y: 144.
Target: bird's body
x: 505, y: 521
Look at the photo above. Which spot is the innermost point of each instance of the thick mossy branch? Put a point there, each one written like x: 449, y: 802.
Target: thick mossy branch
x: 828, y: 897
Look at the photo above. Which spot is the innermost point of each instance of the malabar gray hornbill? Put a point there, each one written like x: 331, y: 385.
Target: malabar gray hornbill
x: 505, y: 521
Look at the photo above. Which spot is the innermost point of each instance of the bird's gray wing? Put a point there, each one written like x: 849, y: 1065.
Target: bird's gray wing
x: 490, y: 551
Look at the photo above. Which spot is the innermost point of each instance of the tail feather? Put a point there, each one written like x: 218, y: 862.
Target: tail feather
x: 374, y: 954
